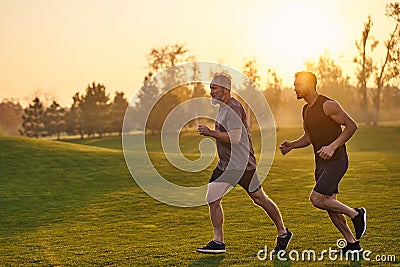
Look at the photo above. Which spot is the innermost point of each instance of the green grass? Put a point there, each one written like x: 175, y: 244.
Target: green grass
x: 75, y: 204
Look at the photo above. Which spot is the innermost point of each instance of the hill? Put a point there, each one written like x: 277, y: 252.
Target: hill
x: 69, y: 204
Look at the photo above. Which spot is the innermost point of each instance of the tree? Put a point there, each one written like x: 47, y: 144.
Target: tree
x: 390, y: 68
x: 117, y: 111
x: 250, y: 86
x: 33, y: 119
x: 198, y: 90
x: 167, y: 56
x: 160, y: 111
x: 328, y: 72
x: 147, y: 97
x: 365, y: 64
x: 11, y: 117
x: 331, y: 80
x: 95, y: 109
x: 74, y: 118
x: 273, y: 94
x: 54, y: 122
x: 158, y: 60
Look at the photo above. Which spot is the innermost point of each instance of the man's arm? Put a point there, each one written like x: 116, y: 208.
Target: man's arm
x: 336, y: 113
x: 233, y: 136
x: 301, y: 142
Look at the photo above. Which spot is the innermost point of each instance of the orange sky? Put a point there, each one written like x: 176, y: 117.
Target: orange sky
x: 59, y: 46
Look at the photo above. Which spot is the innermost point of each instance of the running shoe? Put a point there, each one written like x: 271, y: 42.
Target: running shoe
x: 352, y: 248
x: 360, y: 222
x: 283, y: 242
x: 212, y: 247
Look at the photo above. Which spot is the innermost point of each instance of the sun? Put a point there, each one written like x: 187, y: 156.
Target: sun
x: 296, y: 31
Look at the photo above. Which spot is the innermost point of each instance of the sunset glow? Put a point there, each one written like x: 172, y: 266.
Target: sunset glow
x: 299, y: 32
x: 61, y: 46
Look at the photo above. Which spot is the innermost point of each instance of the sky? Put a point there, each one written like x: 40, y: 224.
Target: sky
x: 55, y: 48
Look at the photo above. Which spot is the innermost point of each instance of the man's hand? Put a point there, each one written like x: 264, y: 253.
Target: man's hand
x: 285, y: 147
x: 204, y: 130
x: 326, y: 152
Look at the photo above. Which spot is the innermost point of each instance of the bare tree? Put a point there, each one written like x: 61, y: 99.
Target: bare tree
x: 365, y: 63
x: 167, y: 56
x: 390, y: 68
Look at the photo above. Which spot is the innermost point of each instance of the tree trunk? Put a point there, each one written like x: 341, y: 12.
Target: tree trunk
x: 377, y: 105
x: 379, y: 80
x: 365, y: 104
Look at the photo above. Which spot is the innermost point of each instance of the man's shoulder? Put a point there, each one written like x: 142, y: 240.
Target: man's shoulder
x: 324, y: 98
x: 234, y: 104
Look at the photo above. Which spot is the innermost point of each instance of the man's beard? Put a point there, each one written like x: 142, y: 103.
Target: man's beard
x: 216, y: 101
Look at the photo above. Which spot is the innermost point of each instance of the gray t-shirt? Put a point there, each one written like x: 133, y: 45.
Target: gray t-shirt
x: 234, y: 157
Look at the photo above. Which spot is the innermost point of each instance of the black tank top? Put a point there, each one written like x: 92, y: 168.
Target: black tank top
x: 321, y: 129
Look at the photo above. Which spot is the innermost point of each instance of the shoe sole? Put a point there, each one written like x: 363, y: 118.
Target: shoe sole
x: 365, y: 222
x: 211, y: 251
x: 290, y: 239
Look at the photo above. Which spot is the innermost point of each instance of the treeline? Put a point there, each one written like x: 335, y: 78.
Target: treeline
x: 91, y: 113
x: 374, y: 97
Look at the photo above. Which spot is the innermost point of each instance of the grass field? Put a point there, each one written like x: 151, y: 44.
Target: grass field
x: 75, y: 204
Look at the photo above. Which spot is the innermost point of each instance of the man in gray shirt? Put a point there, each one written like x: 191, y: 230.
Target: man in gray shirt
x: 236, y: 165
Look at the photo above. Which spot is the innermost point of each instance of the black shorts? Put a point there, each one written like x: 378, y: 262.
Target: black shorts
x: 328, y: 174
x: 247, y: 179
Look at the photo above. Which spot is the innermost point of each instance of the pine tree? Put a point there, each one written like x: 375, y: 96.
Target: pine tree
x: 146, y: 98
x: 54, y: 122
x: 95, y: 110
x: 33, y: 119
x: 74, y: 118
x: 117, y: 111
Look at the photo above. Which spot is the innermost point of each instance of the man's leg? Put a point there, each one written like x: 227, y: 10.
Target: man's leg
x: 328, y: 176
x: 331, y: 204
x: 339, y: 220
x: 284, y: 235
x: 216, y: 191
x: 262, y: 200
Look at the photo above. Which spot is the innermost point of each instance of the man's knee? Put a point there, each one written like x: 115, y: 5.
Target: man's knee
x: 214, y: 203
x: 216, y: 191
x: 317, y: 200
x: 258, y: 197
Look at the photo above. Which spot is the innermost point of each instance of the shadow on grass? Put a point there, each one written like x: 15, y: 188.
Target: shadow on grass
x: 42, y: 181
x: 208, y: 261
